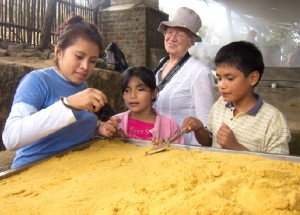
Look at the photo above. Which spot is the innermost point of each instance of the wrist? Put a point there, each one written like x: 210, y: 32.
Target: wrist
x: 96, y: 132
x: 66, y: 104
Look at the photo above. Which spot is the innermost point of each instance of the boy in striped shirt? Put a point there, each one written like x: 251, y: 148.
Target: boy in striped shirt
x: 240, y: 119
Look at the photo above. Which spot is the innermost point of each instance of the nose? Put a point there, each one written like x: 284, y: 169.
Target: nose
x: 84, y: 64
x: 221, y: 84
x: 132, y: 94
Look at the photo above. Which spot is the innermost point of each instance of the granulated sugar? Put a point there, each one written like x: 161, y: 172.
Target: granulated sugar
x: 112, y: 177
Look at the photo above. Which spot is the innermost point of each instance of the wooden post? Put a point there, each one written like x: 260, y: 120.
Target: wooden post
x: 47, y: 24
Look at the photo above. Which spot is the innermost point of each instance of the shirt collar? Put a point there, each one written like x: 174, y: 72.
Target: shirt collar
x: 253, y: 110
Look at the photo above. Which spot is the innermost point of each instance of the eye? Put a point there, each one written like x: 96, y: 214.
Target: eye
x: 79, y: 57
x: 93, y: 61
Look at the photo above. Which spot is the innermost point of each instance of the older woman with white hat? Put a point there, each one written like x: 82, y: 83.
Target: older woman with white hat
x: 185, y: 83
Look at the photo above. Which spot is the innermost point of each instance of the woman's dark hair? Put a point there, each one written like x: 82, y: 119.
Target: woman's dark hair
x: 76, y: 27
x: 245, y: 56
x: 143, y: 73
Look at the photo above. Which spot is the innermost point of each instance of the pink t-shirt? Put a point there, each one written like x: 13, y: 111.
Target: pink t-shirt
x: 139, y: 130
x: 164, y: 127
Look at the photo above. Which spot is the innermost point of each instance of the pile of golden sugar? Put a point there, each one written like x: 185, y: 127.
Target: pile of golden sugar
x: 112, y: 177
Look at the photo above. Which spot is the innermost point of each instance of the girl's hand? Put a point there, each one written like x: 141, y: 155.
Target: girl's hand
x: 120, y: 133
x: 109, y: 128
x: 89, y: 99
x: 158, y: 140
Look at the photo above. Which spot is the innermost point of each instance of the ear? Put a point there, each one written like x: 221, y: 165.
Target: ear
x: 58, y: 52
x: 253, y: 78
x: 154, y: 94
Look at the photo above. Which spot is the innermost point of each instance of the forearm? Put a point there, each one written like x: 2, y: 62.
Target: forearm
x: 26, y: 125
x: 203, y: 137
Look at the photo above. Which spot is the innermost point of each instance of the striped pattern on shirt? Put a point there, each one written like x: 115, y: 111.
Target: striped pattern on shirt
x: 264, y: 131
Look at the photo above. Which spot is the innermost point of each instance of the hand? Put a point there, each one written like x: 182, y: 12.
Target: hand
x: 89, y: 99
x: 159, y: 140
x: 191, y: 124
x: 226, y: 138
x: 121, y: 133
x: 109, y: 128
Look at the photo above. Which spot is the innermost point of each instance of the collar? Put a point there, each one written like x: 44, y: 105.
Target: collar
x: 253, y: 111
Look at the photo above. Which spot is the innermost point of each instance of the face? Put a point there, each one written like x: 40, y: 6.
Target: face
x: 177, y: 41
x: 77, y: 61
x: 138, y: 96
x: 233, y: 85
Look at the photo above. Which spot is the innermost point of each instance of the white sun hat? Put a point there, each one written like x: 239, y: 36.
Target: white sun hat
x: 184, y: 18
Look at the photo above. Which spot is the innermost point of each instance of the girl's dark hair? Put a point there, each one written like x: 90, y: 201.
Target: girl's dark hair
x: 143, y: 73
x: 245, y: 56
x: 76, y: 27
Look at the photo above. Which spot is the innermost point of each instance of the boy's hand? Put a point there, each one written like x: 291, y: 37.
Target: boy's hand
x: 226, y: 138
x: 191, y: 124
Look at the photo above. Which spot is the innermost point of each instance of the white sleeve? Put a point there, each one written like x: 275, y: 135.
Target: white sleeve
x: 203, y: 95
x: 25, y: 124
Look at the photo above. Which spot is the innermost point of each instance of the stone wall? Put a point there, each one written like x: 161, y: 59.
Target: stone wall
x: 133, y: 28
x: 151, y: 3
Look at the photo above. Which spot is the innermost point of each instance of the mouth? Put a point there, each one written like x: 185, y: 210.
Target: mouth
x: 80, y: 75
x: 133, y: 103
x: 224, y: 94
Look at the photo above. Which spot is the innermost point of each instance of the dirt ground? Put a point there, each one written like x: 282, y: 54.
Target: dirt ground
x: 6, y: 158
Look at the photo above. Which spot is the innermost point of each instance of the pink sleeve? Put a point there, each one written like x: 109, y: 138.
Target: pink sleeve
x: 174, y: 130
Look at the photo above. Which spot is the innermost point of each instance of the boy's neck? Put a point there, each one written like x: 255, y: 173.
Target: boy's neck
x: 243, y: 106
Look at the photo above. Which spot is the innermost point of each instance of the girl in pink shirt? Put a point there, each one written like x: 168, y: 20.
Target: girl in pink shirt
x: 142, y: 121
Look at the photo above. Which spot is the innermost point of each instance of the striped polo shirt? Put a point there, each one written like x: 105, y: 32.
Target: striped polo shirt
x: 262, y: 129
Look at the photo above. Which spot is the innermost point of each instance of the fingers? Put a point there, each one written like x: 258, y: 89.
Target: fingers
x: 109, y: 128
x: 191, y: 124
x: 158, y: 140
x: 89, y: 99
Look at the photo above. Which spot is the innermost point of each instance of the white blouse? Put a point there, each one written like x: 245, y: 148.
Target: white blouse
x: 189, y: 93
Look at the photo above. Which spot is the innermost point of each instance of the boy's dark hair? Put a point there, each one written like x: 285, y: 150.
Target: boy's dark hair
x: 145, y: 74
x: 245, y: 56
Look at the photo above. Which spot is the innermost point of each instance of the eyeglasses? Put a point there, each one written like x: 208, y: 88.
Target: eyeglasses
x: 178, y: 35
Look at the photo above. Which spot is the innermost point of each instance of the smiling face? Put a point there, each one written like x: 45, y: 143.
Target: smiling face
x: 77, y: 61
x: 138, y: 97
x: 233, y: 85
x: 177, y: 41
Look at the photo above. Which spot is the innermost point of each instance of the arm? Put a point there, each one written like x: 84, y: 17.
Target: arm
x: 202, y: 135
x: 25, y: 124
x: 227, y: 140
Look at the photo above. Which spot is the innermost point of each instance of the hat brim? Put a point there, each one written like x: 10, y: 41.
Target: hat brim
x: 162, y: 28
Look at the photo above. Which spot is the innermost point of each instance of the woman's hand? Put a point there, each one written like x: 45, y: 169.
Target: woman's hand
x: 89, y: 99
